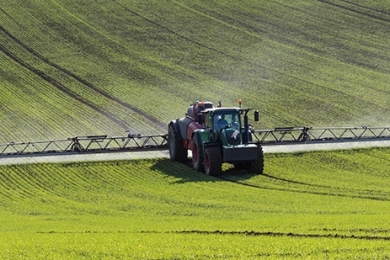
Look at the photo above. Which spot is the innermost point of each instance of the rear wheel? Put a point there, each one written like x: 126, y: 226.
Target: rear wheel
x: 258, y: 165
x: 197, y: 155
x: 177, y: 152
x: 212, y: 160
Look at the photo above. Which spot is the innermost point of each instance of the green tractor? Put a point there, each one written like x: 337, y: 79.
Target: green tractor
x: 215, y: 135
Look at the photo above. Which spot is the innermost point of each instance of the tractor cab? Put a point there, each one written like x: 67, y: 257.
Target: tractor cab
x: 227, y: 119
x: 229, y: 125
x: 225, y: 123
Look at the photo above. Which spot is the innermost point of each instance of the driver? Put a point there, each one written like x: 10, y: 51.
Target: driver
x: 222, y: 123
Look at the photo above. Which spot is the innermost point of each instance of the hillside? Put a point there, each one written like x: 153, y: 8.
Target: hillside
x: 73, y: 68
x: 332, y: 205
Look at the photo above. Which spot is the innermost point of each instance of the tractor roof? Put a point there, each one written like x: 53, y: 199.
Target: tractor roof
x: 221, y: 109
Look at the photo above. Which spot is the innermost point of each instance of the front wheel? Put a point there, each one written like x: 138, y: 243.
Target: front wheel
x: 258, y: 165
x: 212, y: 160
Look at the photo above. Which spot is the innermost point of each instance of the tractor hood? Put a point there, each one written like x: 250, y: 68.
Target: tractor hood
x: 231, y: 137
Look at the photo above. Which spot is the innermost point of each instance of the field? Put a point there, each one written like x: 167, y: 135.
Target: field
x: 70, y: 68
x: 309, y: 205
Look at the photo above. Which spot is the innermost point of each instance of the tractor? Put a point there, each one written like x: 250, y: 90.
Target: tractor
x: 215, y: 135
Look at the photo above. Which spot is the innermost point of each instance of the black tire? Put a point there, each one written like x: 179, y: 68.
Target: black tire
x: 213, y: 160
x: 177, y: 152
x: 258, y: 165
x: 197, y: 155
x: 240, y: 166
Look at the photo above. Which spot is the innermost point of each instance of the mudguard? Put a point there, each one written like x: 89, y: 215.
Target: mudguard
x: 202, y: 136
x: 175, y: 123
x: 182, y: 125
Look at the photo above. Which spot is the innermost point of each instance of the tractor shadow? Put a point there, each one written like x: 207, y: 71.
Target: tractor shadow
x: 184, y: 172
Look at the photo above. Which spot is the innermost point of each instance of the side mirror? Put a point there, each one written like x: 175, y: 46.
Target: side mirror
x: 257, y: 115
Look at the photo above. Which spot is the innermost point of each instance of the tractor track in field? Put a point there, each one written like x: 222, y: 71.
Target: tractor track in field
x: 78, y: 79
x: 62, y: 88
x: 294, y: 182
x: 322, y: 193
x: 225, y: 233
x: 365, y: 7
x: 172, y: 31
x: 354, y: 10
x: 279, y: 234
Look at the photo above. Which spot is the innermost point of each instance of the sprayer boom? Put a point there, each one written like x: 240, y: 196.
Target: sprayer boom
x: 266, y: 137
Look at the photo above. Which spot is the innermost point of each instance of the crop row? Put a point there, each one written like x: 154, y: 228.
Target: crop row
x: 92, y: 245
x: 163, y: 187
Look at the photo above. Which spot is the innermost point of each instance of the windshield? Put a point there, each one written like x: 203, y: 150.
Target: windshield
x: 227, y: 119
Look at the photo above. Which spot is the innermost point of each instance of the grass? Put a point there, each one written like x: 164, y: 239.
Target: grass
x: 159, y: 209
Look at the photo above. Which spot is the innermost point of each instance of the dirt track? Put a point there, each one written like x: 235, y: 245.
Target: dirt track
x: 55, y: 158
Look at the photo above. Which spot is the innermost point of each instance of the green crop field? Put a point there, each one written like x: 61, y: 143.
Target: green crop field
x: 73, y: 68
x: 70, y: 68
x: 311, y: 205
